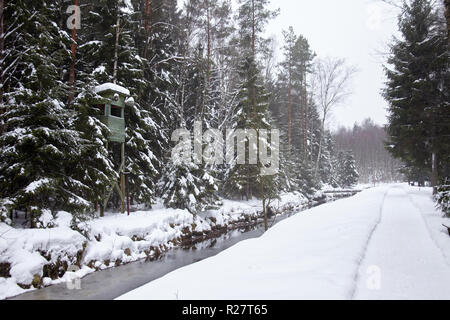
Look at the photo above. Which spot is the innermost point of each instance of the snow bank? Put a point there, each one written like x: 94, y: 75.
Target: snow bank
x: 28, y: 251
x: 125, y: 238
x: 313, y: 255
x: 9, y: 288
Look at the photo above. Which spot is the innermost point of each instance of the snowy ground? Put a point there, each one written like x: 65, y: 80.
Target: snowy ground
x: 384, y: 243
x: 402, y: 255
x: 109, y: 241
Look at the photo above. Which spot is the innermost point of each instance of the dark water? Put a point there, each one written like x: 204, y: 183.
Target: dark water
x: 112, y: 283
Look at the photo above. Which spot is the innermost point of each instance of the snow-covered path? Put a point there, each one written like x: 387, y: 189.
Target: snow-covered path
x: 402, y: 261
x: 375, y: 245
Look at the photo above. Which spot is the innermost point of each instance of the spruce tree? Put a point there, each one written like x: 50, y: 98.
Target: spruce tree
x: 191, y: 184
x: 325, y: 167
x: 416, y: 90
x: 145, y: 136
x: 337, y: 165
x: 442, y: 197
x: 39, y: 144
x: 348, y: 175
x: 244, y: 180
x: 186, y: 185
x: 291, y: 108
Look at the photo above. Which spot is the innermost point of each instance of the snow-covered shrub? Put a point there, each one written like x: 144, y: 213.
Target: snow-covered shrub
x: 442, y: 197
x: 344, y: 173
x: 188, y: 186
x: 4, y: 211
x: 64, y: 219
x: 45, y: 219
x: 3, y: 216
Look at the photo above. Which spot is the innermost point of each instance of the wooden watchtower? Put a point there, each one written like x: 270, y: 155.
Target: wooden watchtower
x: 112, y: 106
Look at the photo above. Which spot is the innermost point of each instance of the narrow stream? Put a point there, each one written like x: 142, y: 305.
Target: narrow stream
x: 112, y: 283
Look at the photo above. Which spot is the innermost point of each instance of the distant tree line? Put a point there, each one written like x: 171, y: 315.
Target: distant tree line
x: 373, y: 162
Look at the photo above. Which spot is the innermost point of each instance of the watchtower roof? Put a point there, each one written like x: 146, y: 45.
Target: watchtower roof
x: 112, y: 88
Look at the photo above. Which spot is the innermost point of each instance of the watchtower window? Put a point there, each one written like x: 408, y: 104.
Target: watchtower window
x: 116, y: 111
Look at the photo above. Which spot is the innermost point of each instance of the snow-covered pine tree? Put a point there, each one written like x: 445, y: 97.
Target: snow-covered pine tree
x: 162, y: 62
x: 337, y: 164
x: 186, y: 185
x: 97, y: 41
x: 297, y: 165
x: 325, y: 166
x: 417, y: 90
x: 95, y: 166
x: 39, y: 144
x: 244, y: 180
x: 189, y: 184
x: 142, y: 163
x: 286, y: 105
x: 348, y: 174
x: 253, y: 16
x: 290, y: 113
x: 442, y: 196
x: 251, y: 112
x: 293, y: 72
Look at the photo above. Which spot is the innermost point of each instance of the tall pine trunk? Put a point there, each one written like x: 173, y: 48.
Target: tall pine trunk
x: 147, y: 27
x: 434, y: 156
x: 434, y: 170
x: 447, y: 15
x: 253, y: 30
x: 319, y: 155
x: 290, y: 110
x: 206, y: 94
x: 306, y: 116
x: 208, y: 31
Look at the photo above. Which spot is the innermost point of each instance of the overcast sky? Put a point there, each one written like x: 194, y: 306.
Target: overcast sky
x: 357, y: 30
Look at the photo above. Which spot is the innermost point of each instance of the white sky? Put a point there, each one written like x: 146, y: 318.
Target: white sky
x: 357, y: 30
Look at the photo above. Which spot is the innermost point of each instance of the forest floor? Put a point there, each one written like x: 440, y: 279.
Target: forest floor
x: 384, y: 243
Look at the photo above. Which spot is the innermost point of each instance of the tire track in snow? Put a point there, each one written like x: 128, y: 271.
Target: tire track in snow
x: 366, y: 246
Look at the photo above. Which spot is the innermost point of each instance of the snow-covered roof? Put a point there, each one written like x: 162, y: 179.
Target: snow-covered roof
x: 112, y: 87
